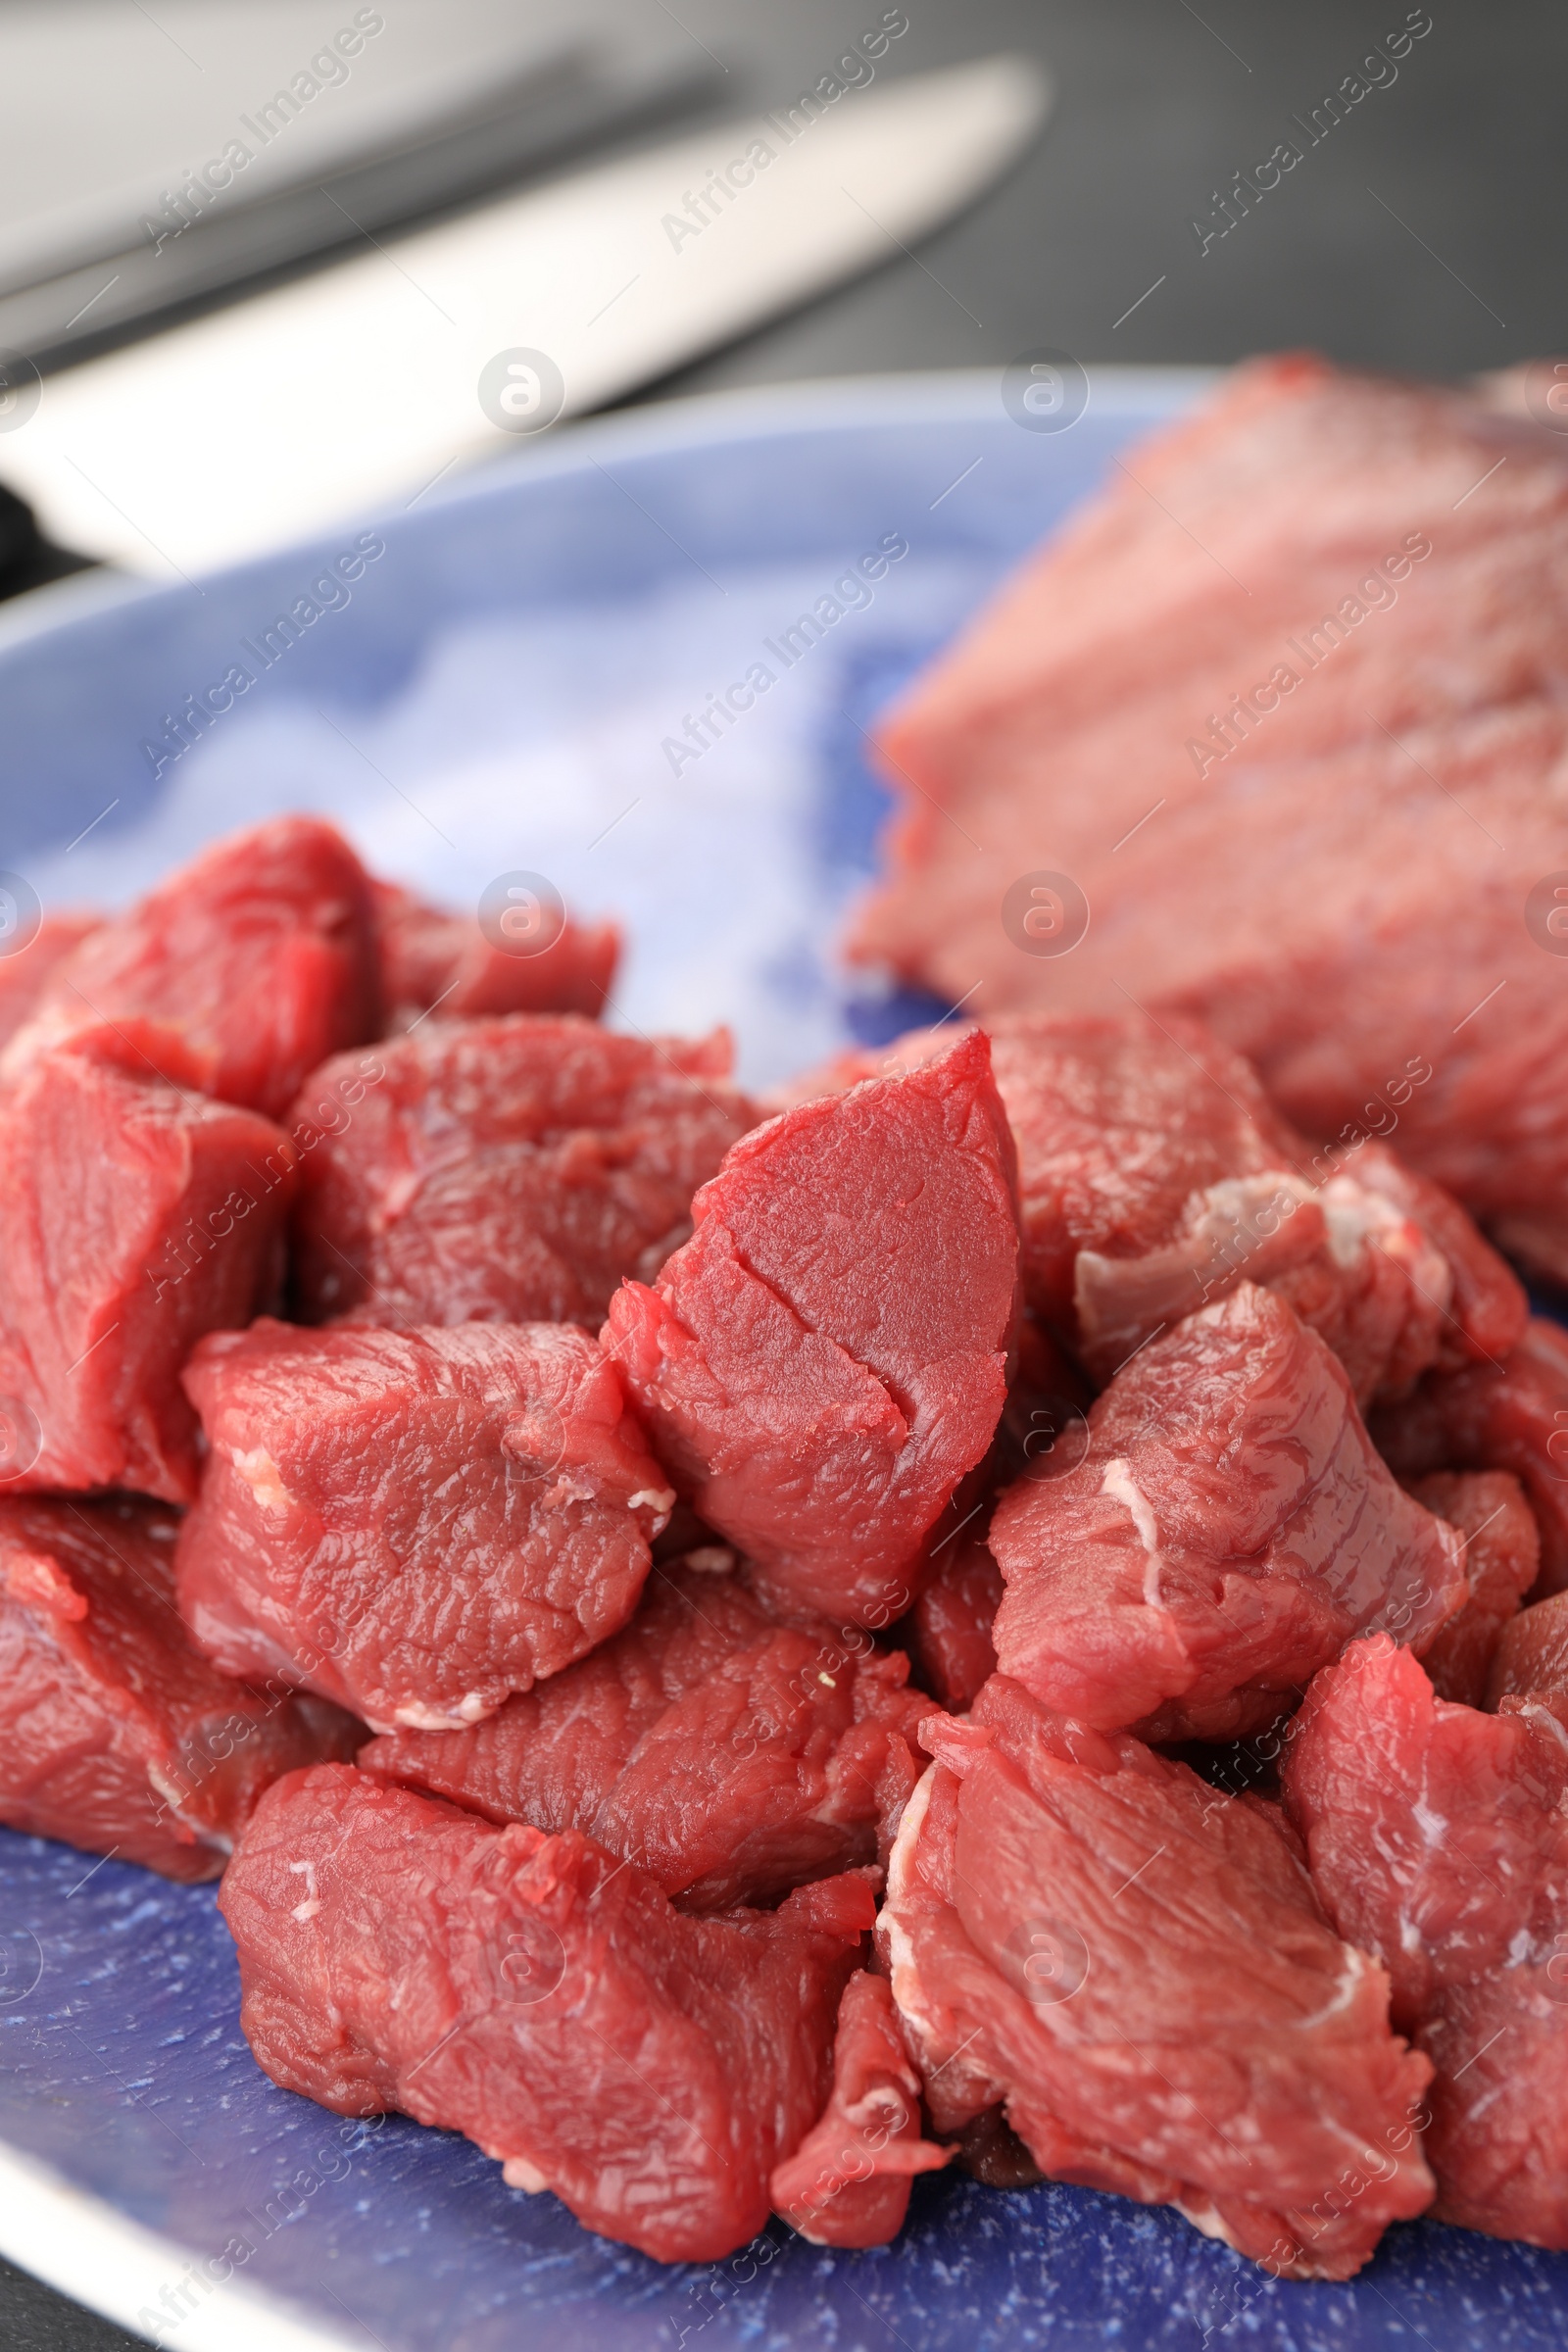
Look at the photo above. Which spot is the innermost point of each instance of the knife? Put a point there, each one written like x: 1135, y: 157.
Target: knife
x: 545, y: 112
x: 369, y: 383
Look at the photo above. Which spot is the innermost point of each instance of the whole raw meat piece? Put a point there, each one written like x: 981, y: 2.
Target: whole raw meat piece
x: 1287, y: 707
x: 1228, y: 1530
x: 1531, y: 1660
x: 115, y: 1734
x: 1137, y: 1966
x: 848, y: 2182
x: 1439, y: 1840
x: 1510, y: 1415
x: 25, y: 972
x: 258, y: 953
x: 730, y: 1757
x: 542, y: 1997
x: 506, y: 1171
x: 134, y: 1216
x: 1502, y: 1550
x: 826, y: 1358
x: 442, y: 963
x: 1154, y: 1174
x: 416, y: 1523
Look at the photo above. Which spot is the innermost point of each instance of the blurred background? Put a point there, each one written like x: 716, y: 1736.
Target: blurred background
x: 1421, y: 230
x: 1427, y: 233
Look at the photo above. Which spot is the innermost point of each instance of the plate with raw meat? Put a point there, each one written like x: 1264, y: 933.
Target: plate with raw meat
x: 761, y: 1338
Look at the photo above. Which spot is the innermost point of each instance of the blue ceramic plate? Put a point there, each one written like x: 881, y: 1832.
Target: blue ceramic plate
x: 510, y: 685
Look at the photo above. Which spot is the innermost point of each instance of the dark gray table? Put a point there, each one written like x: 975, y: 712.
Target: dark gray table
x: 1422, y: 230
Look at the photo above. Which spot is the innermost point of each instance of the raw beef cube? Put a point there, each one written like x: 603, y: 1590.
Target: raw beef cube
x: 1497, y: 2140
x: 730, y: 1757
x: 1432, y: 1829
x: 1286, y: 703
x: 1153, y: 1175
x: 134, y: 1216
x: 1487, y: 1312
x: 848, y: 2182
x: 947, y: 1632
x: 1117, y: 1123
x: 1136, y: 1964
x: 1380, y: 1262
x: 1147, y: 1155
x: 1511, y: 1415
x: 1502, y: 1561
x: 434, y: 962
x: 1531, y: 1660
x: 826, y: 1358
x: 509, y: 1172
x: 114, y: 1733
x: 26, y: 972
x: 1439, y: 1842
x: 260, y: 952
x: 413, y: 1523
x: 1226, y: 1533
x: 542, y: 1997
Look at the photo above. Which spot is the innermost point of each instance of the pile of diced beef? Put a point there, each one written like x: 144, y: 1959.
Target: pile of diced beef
x: 1011, y: 1613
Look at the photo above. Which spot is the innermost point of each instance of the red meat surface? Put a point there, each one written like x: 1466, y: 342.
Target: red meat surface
x: 1439, y: 1842
x: 442, y: 963
x: 704, y: 1742
x: 1137, y: 1966
x: 134, y: 1216
x: 258, y: 953
x: 1154, y: 1174
x: 848, y: 2182
x: 947, y: 1632
x: 115, y: 1734
x: 1532, y: 1654
x: 1380, y: 1262
x: 1511, y: 1415
x: 417, y: 1523
x: 542, y: 1997
x: 1228, y: 1530
x: 826, y: 1358
x: 24, y: 974
x: 508, y: 1171
x: 1501, y: 1551
x: 1324, y: 849
x: 1118, y: 1122
x: 1499, y: 2136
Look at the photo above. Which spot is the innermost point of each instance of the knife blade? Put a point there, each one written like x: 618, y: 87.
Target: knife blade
x: 376, y: 378
x: 547, y: 114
